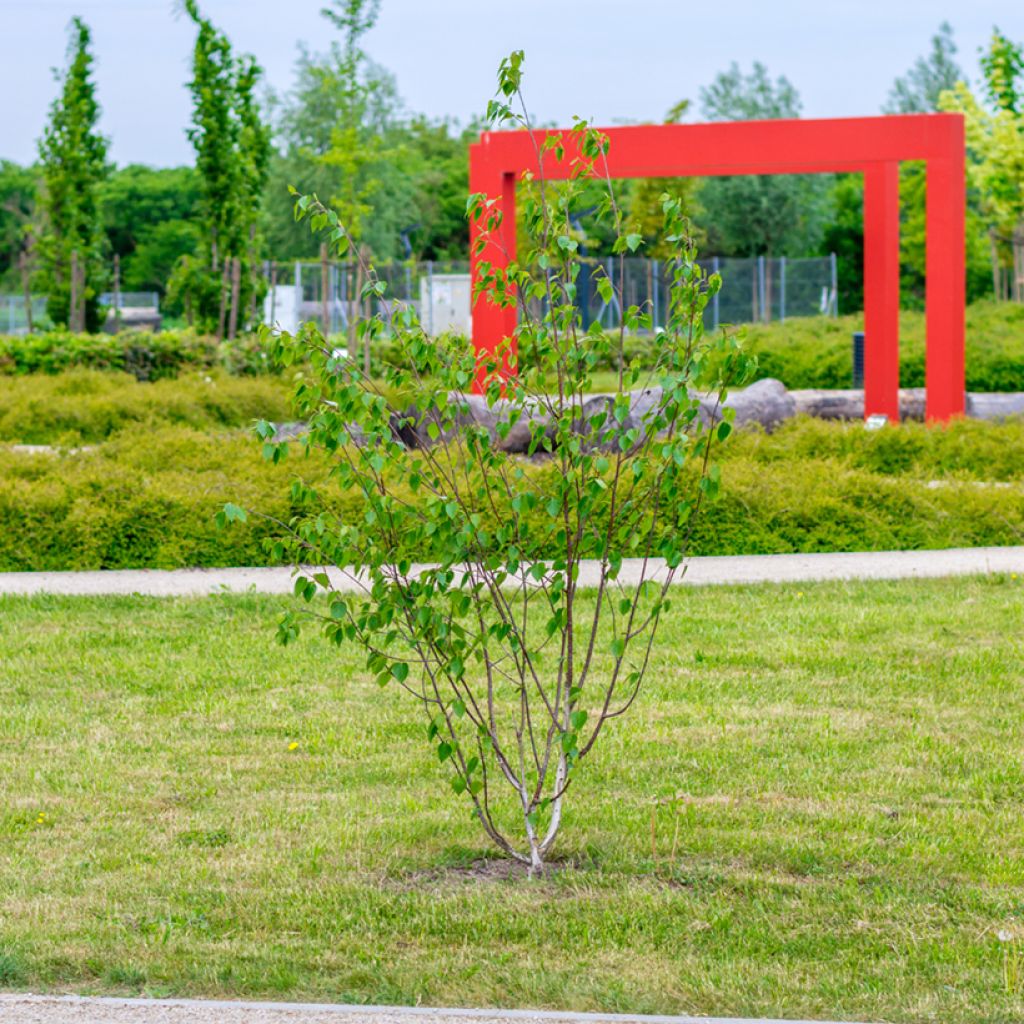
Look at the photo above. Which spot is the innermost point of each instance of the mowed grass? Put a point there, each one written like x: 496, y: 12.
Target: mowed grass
x: 851, y: 843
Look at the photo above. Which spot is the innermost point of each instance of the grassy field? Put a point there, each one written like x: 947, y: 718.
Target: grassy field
x: 179, y: 823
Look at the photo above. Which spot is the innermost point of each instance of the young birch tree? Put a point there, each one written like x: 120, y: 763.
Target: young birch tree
x: 552, y: 523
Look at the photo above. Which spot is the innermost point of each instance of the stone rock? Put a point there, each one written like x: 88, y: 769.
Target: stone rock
x: 989, y: 406
x: 766, y: 402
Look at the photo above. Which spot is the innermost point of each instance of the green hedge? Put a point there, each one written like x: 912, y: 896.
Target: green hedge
x: 86, y: 406
x: 807, y: 352
x: 817, y: 352
x: 143, y: 354
x: 148, y: 501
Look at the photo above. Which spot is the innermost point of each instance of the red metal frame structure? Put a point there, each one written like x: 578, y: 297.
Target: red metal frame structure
x: 872, y: 146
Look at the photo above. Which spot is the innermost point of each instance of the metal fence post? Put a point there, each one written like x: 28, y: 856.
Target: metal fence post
x: 782, y: 288
x: 762, y: 305
x: 430, y: 297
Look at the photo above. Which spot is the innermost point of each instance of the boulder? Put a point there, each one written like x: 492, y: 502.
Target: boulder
x: 766, y: 402
x: 982, y: 406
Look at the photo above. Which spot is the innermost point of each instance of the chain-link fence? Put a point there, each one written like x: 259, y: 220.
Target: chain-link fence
x: 14, y: 314
x: 753, y: 290
x: 328, y: 293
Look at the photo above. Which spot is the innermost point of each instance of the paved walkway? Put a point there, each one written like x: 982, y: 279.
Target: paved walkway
x: 74, y: 1010
x: 873, y: 565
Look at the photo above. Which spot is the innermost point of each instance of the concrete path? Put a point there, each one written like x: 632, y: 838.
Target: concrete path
x: 32, y: 1009
x: 874, y: 565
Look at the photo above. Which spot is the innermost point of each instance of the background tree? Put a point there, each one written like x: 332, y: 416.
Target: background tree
x: 995, y: 145
x: 17, y: 211
x: 339, y: 130
x: 151, y: 218
x: 73, y: 165
x: 760, y: 215
x: 232, y: 155
x: 918, y: 91
x: 645, y: 204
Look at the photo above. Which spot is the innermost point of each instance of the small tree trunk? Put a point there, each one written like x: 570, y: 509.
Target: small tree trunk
x: 26, y: 288
x: 236, y: 295
x: 273, y: 292
x: 117, y: 293
x: 253, y: 277
x: 73, y: 299
x: 225, y: 283
x: 994, y: 256
x: 189, y: 317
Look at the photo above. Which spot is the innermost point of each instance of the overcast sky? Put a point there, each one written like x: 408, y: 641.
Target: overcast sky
x: 608, y: 60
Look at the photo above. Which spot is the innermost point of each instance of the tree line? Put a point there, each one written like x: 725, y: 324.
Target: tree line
x: 200, y: 235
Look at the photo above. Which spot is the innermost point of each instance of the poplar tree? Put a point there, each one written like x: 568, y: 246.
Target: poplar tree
x: 222, y: 284
x: 73, y: 159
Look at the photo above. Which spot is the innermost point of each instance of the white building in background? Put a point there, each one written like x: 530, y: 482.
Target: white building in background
x: 445, y: 303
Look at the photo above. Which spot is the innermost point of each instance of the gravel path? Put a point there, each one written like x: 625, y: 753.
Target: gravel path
x: 873, y: 565
x: 31, y: 1009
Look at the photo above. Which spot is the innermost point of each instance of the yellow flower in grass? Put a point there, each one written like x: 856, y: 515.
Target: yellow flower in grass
x: 293, y: 745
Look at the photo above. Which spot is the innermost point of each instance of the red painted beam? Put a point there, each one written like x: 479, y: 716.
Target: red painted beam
x: 872, y: 145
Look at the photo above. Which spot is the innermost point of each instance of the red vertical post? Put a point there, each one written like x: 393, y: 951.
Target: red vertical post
x: 945, y: 287
x: 491, y: 323
x: 882, y: 290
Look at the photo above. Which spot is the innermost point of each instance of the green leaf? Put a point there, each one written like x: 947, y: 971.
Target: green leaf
x: 400, y: 670
x: 234, y: 513
x: 444, y: 751
x: 618, y: 647
x: 578, y: 719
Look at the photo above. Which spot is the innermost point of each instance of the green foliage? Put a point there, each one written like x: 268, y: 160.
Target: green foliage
x: 73, y: 158
x: 919, y: 90
x: 995, y: 144
x: 151, y: 217
x: 232, y: 145
x: 816, y: 352
x: 143, y: 354
x: 754, y: 215
x: 143, y: 499
x: 467, y: 636
x: 645, y: 206
x: 17, y: 209
x: 149, y: 498
x: 87, y: 406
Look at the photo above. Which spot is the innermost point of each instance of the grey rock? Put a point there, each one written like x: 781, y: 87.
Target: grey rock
x: 766, y: 402
x: 982, y: 406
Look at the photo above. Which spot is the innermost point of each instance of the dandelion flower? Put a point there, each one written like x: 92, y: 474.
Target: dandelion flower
x: 293, y: 745
x: 1004, y: 935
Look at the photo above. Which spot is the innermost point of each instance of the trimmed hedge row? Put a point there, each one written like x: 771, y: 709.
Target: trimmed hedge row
x: 150, y: 502
x: 807, y: 352
x: 145, y: 355
x: 86, y: 406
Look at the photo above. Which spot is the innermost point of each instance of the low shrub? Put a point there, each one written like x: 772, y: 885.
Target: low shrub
x: 86, y: 406
x: 817, y: 352
x: 148, y: 500
x: 145, y: 355
x: 802, y: 352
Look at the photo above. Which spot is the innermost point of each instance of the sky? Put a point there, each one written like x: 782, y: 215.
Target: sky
x: 611, y: 61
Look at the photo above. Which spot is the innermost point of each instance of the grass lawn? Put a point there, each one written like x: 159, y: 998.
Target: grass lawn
x: 852, y: 843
